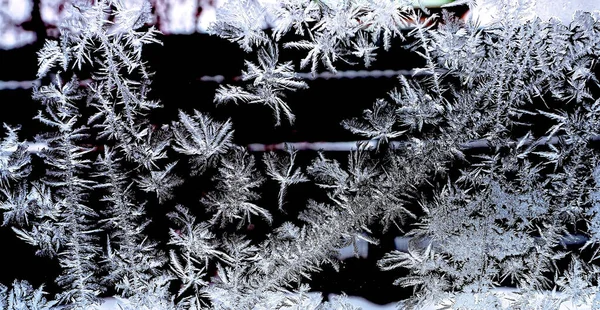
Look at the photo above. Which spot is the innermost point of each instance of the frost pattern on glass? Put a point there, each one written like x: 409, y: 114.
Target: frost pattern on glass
x: 486, y: 160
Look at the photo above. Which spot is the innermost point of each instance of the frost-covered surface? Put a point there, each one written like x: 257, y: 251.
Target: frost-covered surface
x: 182, y: 17
x: 113, y: 304
x: 498, y: 164
x: 506, y: 296
x: 487, y: 11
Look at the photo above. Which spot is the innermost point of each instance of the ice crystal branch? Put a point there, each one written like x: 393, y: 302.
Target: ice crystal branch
x: 133, y: 262
x: 237, y: 180
x: 270, y: 80
x: 23, y: 296
x: 202, y: 138
x: 284, y: 173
